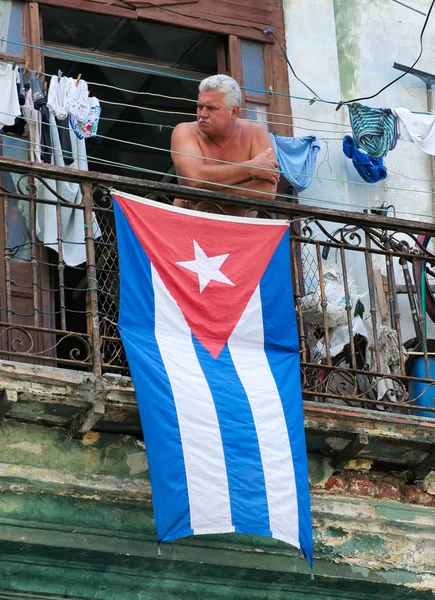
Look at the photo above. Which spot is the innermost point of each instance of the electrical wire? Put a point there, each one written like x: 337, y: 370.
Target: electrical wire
x: 317, y: 97
x: 404, y: 73
x: 410, y: 7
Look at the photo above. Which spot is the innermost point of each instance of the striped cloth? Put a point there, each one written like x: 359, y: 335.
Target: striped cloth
x: 374, y: 129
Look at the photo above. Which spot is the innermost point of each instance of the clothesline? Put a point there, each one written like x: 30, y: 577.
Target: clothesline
x: 279, y: 195
x: 284, y: 172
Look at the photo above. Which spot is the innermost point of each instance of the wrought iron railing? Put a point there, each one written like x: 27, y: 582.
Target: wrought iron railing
x: 362, y: 283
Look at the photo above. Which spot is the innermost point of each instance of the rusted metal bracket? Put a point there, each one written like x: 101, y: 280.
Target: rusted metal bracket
x: 7, y: 397
x: 351, y: 451
x: 420, y: 471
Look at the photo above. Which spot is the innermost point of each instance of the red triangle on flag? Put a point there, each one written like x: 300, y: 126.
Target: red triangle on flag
x: 209, y: 264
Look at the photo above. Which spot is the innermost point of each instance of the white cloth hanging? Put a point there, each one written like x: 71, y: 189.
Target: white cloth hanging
x: 9, y: 104
x: 419, y: 129
x: 56, y: 99
x: 72, y: 219
x: 76, y: 95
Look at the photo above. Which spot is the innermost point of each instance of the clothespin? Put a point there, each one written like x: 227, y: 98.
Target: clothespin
x: 45, y: 87
x: 59, y: 75
x: 38, y: 74
x: 14, y: 64
x: 339, y: 105
x: 311, y: 102
x: 26, y: 66
x: 79, y: 76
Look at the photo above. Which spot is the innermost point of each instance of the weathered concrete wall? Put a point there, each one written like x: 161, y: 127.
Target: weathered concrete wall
x: 345, y: 49
x: 89, y: 499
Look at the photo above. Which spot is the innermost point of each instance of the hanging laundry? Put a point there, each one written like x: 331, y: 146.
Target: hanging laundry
x: 37, y: 86
x: 32, y: 117
x: 40, y: 104
x: 297, y: 158
x: 20, y: 87
x: 63, y: 129
x: 46, y: 139
x: 76, y: 98
x: 419, y: 129
x: 26, y: 79
x: 57, y: 104
x: 89, y: 127
x: 374, y: 129
x: 56, y: 99
x: 71, y: 219
x: 9, y: 104
x: 371, y: 169
x: 17, y: 128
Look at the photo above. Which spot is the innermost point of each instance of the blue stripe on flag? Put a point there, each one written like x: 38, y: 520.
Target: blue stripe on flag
x: 249, y: 508
x: 153, y: 391
x: 280, y: 338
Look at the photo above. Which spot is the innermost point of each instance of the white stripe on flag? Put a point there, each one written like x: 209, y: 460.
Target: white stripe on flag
x: 246, y: 346
x: 207, y: 480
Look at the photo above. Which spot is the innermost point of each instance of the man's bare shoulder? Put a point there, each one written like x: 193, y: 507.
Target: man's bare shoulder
x: 189, y: 128
x: 253, y: 129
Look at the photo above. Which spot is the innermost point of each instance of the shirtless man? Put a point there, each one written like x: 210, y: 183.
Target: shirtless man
x: 219, y: 134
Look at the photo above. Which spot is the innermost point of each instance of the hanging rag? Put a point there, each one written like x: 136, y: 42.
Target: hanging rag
x: 371, y: 169
x: 374, y: 129
x: 297, y: 158
x: 9, y: 104
x: 71, y: 219
x: 419, y: 129
x: 89, y: 127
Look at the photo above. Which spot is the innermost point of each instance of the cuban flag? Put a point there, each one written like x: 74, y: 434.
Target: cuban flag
x: 208, y: 324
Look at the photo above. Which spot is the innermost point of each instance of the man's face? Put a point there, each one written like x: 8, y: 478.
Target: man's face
x: 212, y: 114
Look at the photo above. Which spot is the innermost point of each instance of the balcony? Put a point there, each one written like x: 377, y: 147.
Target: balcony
x: 361, y: 282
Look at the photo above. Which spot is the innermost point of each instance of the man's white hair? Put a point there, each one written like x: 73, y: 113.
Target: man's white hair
x: 224, y: 84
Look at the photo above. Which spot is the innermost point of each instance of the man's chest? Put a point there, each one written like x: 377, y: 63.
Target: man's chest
x: 233, y: 152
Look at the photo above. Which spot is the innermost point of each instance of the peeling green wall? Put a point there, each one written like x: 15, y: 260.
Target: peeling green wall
x: 76, y: 518
x: 347, y: 24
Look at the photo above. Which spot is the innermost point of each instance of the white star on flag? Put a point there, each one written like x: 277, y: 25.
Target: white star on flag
x: 206, y: 267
